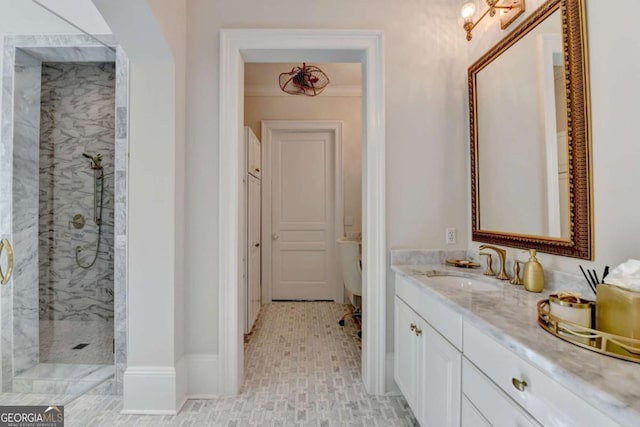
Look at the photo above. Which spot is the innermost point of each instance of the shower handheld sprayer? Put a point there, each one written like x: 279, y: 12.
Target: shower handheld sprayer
x: 96, y: 161
x: 98, y: 197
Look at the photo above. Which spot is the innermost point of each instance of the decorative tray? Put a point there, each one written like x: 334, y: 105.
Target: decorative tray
x: 463, y: 263
x: 601, y: 342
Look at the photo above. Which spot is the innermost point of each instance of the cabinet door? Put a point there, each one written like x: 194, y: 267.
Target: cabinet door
x: 253, y: 252
x: 440, y: 380
x: 406, y: 354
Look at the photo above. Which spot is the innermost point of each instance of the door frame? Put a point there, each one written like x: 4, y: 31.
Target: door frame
x: 269, y: 128
x: 264, y: 45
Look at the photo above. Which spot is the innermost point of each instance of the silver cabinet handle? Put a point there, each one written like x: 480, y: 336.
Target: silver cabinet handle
x: 418, y: 331
x: 275, y: 236
x: 520, y: 385
x: 413, y: 327
x: 4, y: 277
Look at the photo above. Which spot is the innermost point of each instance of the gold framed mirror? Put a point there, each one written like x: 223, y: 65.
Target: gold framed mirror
x: 530, y: 136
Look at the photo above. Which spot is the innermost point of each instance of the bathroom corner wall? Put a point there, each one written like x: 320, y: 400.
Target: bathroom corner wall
x: 77, y: 116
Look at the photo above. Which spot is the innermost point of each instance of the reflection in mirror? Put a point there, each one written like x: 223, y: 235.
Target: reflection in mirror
x: 520, y: 120
x: 530, y: 136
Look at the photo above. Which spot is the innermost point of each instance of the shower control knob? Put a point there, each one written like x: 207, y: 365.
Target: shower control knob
x: 77, y: 221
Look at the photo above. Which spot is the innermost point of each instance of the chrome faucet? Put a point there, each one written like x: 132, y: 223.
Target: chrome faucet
x: 502, y: 254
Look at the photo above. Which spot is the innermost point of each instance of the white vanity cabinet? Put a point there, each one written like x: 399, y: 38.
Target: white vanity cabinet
x: 427, y: 366
x: 487, y: 384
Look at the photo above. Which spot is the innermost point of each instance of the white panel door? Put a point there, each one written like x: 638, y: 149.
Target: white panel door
x: 302, y: 216
x: 253, y: 251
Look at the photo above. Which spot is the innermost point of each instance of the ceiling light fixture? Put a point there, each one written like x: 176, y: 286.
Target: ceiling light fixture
x: 509, y: 11
x: 307, y: 80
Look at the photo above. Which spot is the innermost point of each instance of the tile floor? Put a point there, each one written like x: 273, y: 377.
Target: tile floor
x: 302, y: 369
x: 58, y: 337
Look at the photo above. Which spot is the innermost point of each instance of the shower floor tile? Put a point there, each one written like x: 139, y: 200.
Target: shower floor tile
x: 59, y: 337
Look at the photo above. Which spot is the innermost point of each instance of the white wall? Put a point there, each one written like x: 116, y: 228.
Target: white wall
x: 153, y: 34
x: 613, y: 43
x: 172, y: 17
x: 347, y: 109
x: 425, y: 105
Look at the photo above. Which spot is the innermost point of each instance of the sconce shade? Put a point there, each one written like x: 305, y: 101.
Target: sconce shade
x: 509, y: 11
x: 467, y: 10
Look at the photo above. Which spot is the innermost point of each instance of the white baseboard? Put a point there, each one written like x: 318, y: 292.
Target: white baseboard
x: 390, y: 386
x: 202, y: 376
x: 181, y: 383
x: 150, y: 390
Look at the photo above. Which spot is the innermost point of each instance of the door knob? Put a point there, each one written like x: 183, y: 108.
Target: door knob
x: 275, y: 236
x: 4, y: 277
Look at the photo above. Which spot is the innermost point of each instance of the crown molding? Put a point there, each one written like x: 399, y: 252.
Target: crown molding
x: 330, y: 91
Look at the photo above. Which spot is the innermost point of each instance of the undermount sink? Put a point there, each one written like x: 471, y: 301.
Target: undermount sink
x: 463, y: 282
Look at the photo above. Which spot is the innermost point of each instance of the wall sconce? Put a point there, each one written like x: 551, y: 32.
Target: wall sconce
x: 509, y: 11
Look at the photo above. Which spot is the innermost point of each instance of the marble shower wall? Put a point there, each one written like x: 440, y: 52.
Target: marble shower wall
x: 77, y: 116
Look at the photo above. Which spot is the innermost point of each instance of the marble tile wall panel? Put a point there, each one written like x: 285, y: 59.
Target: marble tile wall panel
x: 24, y: 236
x: 553, y: 280
x: 121, y: 201
x: 6, y: 167
x: 78, y: 116
x: 424, y: 256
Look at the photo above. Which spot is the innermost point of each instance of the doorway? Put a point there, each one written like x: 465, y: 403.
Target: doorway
x: 303, y: 209
x: 237, y: 47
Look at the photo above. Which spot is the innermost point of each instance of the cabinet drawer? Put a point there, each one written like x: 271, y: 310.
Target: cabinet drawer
x: 470, y: 415
x: 442, y: 318
x: 490, y: 401
x: 550, y: 403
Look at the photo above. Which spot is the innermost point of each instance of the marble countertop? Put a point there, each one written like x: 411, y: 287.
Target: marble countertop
x: 509, y: 315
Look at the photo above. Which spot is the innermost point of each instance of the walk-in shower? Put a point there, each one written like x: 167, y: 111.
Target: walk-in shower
x: 63, y: 122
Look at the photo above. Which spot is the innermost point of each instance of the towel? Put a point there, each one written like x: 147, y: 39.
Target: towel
x: 626, y: 275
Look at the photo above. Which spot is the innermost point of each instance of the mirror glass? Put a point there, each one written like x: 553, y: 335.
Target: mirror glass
x: 522, y: 125
x: 530, y: 141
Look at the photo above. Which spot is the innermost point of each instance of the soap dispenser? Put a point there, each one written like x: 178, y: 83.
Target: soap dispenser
x: 533, y: 276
